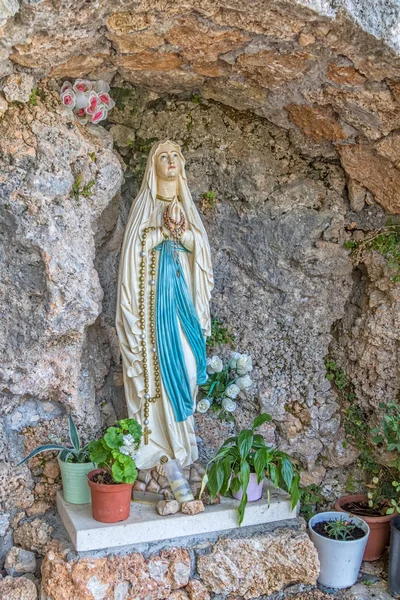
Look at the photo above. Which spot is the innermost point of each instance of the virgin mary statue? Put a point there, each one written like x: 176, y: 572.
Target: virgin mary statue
x: 163, y: 315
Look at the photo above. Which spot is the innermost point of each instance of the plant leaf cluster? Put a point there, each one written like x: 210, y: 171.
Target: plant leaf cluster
x: 247, y: 453
x: 75, y: 454
x: 220, y: 335
x: 386, y: 241
x: 106, y: 452
x: 78, y: 189
x: 340, y: 529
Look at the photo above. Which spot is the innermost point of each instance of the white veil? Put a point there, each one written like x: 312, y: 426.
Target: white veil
x: 127, y: 317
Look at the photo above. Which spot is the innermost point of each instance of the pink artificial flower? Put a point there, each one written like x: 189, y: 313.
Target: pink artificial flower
x: 81, y: 112
x: 99, y: 115
x: 101, y: 86
x: 67, y: 85
x: 68, y: 98
x: 93, y: 104
x: 83, y: 85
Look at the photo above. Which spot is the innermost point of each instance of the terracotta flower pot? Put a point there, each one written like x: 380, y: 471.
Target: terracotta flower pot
x: 110, y: 503
x: 379, y: 526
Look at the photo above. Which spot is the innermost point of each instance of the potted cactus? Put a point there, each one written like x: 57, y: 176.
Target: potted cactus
x: 74, y: 463
x: 111, y: 483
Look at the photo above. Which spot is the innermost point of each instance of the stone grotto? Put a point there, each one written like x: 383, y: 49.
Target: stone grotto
x: 288, y: 115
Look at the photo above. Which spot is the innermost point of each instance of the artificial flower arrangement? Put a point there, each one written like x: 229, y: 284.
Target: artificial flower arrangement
x: 224, y: 384
x: 90, y: 100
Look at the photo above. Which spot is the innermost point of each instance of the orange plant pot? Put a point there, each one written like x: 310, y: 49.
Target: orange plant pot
x: 379, y: 526
x: 110, y: 503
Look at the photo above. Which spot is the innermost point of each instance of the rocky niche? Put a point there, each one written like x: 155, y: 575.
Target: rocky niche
x: 288, y: 120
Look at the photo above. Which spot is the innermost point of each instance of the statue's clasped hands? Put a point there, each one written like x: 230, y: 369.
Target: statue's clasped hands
x: 174, y: 219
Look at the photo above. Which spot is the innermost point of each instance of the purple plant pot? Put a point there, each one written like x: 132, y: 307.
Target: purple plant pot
x: 254, y: 489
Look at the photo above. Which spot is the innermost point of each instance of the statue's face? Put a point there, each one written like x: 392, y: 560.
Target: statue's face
x: 167, y: 162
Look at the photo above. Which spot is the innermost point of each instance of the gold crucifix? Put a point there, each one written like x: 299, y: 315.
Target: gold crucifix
x: 146, y: 434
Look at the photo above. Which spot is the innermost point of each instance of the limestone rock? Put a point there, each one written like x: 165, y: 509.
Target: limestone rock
x: 317, y: 122
x: 178, y: 595
x: 19, y: 588
x: 375, y: 173
x: 20, y: 561
x: 3, y: 105
x: 253, y: 567
x: 167, y: 507
x: 193, y: 507
x: 34, y: 535
x: 197, y: 590
x: 357, y: 195
x: 18, y: 87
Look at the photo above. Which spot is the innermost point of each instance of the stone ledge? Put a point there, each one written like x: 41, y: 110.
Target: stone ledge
x: 145, y: 525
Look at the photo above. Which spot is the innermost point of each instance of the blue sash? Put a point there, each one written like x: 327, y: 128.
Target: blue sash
x: 174, y: 302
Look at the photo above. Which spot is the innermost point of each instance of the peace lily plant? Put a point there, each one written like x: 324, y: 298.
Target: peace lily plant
x: 247, y: 456
x: 224, y: 384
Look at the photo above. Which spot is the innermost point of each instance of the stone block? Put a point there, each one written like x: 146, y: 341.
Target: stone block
x: 18, y: 588
x: 167, y: 507
x: 20, y: 561
x: 197, y: 590
x: 260, y: 565
x: 193, y: 507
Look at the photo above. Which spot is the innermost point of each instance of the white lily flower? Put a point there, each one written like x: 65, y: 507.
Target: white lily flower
x: 234, y: 358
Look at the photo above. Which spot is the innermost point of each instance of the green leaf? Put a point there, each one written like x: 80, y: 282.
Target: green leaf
x: 113, y: 437
x: 132, y: 427
x: 245, y: 441
x: 124, y: 473
x: 244, y: 475
x: 227, y: 466
x: 73, y: 434
x: 235, y: 485
x: 390, y: 511
x: 215, y: 479
x: 260, y: 462
x: 40, y: 449
x: 98, y: 453
x: 287, y: 472
x: 260, y: 420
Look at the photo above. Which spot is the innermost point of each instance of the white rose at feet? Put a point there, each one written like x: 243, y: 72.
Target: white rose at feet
x: 234, y: 358
x: 232, y: 391
x: 244, y: 382
x: 203, y: 406
x: 244, y: 365
x: 228, y: 405
x: 214, y: 365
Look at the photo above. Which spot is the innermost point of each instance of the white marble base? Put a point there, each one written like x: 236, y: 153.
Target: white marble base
x: 145, y: 525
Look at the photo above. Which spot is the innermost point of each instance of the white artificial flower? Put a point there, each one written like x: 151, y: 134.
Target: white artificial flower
x: 232, y: 391
x: 125, y: 450
x: 128, y: 440
x: 234, y: 358
x: 214, y: 365
x: 101, y: 86
x: 244, y: 365
x: 203, y: 406
x: 244, y: 382
x: 228, y: 405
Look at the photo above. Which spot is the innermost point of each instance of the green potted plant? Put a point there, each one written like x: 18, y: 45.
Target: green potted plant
x: 382, y: 500
x: 242, y: 463
x: 111, y: 484
x: 74, y: 463
x: 340, y: 542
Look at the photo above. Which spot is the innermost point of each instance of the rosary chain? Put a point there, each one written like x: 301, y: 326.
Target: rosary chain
x: 142, y: 315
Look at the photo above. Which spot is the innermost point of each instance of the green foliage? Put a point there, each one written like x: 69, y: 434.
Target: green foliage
x: 356, y: 418
x: 116, y: 450
x: 220, y: 335
x: 92, y: 156
x: 208, y: 200
x: 340, y: 529
x: 387, y: 435
x: 33, y: 98
x: 310, y: 497
x: 120, y: 96
x: 386, y: 241
x: 79, y: 190
x: 140, y: 149
x: 196, y: 98
x: 247, y: 453
x: 74, y: 454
